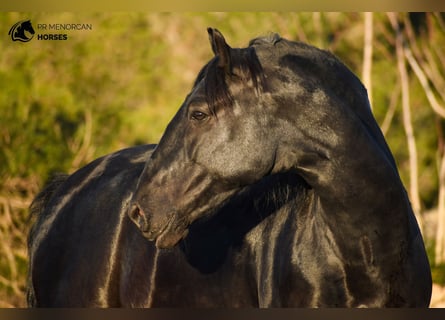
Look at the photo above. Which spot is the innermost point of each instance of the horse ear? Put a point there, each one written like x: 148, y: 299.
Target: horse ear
x: 221, y: 49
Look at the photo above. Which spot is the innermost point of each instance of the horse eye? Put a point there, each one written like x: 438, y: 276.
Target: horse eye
x: 198, y: 115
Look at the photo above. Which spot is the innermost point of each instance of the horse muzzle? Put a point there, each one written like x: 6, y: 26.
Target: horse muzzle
x: 165, y: 235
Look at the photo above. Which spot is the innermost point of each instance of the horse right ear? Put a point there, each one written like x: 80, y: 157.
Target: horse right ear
x: 221, y: 49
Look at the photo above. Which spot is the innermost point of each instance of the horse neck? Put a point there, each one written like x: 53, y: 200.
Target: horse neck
x: 343, y: 157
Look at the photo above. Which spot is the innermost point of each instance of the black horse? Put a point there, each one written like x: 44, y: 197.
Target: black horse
x: 271, y: 187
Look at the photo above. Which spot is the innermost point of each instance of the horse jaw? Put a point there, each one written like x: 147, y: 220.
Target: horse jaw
x: 171, y: 235
x: 177, y: 229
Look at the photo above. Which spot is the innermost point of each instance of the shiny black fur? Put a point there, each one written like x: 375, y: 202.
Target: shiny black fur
x: 272, y: 186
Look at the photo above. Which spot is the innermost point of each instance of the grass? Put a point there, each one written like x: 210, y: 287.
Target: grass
x: 15, y: 197
x: 437, y: 270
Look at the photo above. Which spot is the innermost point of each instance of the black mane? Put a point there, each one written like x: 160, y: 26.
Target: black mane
x: 245, y: 67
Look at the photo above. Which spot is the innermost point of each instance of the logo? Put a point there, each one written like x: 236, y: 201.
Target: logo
x: 22, y: 31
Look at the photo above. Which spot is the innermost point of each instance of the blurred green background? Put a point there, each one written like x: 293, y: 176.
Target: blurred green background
x: 64, y: 103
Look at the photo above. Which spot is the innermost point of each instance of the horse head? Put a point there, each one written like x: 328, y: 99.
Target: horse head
x: 17, y: 31
x: 271, y: 107
x: 27, y: 26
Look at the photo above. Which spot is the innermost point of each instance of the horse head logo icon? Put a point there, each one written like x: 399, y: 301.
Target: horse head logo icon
x: 22, y: 31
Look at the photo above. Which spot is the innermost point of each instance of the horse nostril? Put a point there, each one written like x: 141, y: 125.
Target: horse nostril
x: 138, y: 217
x: 135, y: 212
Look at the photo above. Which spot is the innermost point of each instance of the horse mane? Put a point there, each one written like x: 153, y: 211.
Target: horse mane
x: 320, y: 65
x: 41, y: 200
x: 272, y: 38
x: 248, y: 67
x: 37, y: 210
x: 322, y: 69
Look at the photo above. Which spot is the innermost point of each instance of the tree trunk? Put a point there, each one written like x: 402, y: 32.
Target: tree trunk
x: 407, y: 121
x: 367, y: 55
x: 439, y: 249
x: 420, y: 66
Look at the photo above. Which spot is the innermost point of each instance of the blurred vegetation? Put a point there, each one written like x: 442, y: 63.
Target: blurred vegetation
x: 64, y: 103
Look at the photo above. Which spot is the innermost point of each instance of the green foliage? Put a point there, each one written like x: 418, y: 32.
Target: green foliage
x: 437, y: 270
x: 438, y: 274
x: 48, y: 87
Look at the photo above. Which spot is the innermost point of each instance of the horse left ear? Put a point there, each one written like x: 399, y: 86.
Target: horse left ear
x: 221, y: 49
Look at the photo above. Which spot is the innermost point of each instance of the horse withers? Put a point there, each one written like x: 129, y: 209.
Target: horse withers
x: 272, y: 186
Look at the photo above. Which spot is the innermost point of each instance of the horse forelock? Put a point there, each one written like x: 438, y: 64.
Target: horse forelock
x: 246, y: 68
x: 216, y: 89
